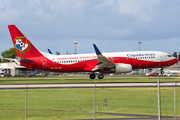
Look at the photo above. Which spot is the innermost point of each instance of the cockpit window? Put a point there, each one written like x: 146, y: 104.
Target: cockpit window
x: 169, y: 55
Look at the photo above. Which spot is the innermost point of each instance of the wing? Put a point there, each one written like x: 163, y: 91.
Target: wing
x: 103, y: 62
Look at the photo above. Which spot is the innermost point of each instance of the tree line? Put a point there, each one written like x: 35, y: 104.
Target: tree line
x: 11, y: 53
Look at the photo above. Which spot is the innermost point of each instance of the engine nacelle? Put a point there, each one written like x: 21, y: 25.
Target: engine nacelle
x: 123, y: 68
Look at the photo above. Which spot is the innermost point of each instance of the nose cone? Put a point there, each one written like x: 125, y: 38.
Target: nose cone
x: 176, y: 60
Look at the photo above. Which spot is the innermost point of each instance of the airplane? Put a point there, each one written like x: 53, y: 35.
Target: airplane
x: 114, y: 62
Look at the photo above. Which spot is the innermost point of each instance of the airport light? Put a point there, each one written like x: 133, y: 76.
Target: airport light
x: 130, y: 46
x: 75, y: 46
x: 139, y: 45
x: 178, y: 57
x: 61, y: 48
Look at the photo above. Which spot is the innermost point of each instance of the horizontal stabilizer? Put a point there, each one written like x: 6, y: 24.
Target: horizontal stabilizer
x: 24, y: 60
x: 10, y: 59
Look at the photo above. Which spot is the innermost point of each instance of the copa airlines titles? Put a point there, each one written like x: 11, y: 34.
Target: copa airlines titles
x: 141, y: 55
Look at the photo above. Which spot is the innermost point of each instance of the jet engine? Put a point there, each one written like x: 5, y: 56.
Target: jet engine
x: 123, y: 68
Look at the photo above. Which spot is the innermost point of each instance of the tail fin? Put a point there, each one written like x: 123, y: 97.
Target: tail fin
x: 24, y: 48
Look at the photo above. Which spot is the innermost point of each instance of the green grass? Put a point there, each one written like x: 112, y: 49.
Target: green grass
x: 48, y: 104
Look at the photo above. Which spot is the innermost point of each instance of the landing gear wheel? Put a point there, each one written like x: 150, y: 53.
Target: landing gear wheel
x: 162, y: 72
x: 100, y: 76
x: 92, y: 76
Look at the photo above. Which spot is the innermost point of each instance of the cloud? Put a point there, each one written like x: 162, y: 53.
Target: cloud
x: 88, y: 19
x: 140, y: 9
x: 103, y: 21
x: 8, y: 13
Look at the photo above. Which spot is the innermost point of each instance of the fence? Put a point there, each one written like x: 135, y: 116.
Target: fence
x: 78, y: 103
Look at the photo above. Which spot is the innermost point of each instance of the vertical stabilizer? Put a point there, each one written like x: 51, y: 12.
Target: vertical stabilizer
x: 24, y: 48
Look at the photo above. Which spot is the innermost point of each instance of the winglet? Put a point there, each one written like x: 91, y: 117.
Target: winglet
x: 50, y: 51
x: 97, y: 50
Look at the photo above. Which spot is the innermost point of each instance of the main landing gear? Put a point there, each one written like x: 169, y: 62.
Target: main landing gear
x: 101, y: 76
x: 93, y: 76
x: 162, y: 72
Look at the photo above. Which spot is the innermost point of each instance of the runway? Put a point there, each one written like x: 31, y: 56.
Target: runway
x: 86, y: 85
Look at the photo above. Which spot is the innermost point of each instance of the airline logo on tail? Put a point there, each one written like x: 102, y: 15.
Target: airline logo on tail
x: 21, y: 45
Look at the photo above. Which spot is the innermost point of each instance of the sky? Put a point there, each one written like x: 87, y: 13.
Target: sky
x: 110, y: 24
